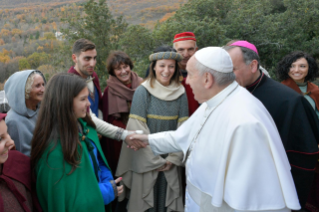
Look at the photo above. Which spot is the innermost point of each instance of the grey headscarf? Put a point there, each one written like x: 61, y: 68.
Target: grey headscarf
x: 20, y: 119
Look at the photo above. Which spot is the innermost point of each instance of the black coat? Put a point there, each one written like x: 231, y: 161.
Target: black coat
x: 298, y: 127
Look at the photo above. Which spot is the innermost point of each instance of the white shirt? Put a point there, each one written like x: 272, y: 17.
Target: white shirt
x: 236, y: 160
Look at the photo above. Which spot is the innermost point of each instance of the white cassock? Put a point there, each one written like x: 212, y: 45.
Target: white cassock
x: 235, y: 157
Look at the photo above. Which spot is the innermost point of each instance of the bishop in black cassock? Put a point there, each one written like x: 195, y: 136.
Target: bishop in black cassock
x: 294, y: 117
x: 298, y: 128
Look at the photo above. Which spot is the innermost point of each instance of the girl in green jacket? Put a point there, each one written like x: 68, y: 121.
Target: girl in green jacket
x: 70, y: 168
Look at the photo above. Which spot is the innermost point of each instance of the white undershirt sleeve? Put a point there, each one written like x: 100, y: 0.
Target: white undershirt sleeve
x: 108, y: 130
x: 163, y: 143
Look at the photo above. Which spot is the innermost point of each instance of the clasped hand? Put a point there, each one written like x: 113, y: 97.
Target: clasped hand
x: 136, y: 141
x: 166, y: 167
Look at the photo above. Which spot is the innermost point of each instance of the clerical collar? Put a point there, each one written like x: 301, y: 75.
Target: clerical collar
x: 215, y: 100
x: 255, y: 84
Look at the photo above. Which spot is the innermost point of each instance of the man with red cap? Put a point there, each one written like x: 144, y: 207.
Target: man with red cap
x: 185, y: 44
x: 294, y: 117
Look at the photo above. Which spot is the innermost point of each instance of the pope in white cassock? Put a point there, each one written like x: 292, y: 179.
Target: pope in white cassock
x: 235, y: 160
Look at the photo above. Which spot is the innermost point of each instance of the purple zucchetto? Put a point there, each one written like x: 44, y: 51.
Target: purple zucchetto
x: 243, y: 43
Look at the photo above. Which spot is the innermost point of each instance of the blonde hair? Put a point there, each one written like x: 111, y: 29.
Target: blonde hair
x: 29, y: 83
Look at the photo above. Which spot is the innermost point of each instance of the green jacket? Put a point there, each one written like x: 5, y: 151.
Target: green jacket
x: 57, y: 191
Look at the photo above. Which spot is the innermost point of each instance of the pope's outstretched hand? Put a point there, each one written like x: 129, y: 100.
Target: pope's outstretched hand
x: 136, y: 141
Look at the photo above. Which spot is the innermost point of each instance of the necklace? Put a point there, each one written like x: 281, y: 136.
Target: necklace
x: 262, y: 75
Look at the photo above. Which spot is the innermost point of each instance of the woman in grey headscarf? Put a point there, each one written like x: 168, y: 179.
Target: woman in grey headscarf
x: 24, y: 91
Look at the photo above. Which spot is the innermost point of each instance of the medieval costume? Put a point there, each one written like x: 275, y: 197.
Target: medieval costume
x: 117, y: 100
x: 298, y: 127
x: 154, y: 109
x: 16, y: 192
x: 311, y: 92
x: 235, y: 160
x: 88, y: 188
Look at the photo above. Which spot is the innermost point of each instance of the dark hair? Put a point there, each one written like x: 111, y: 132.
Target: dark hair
x: 82, y: 45
x: 231, y: 42
x: 152, y: 74
x: 117, y: 58
x: 248, y: 54
x: 283, y: 67
x: 56, y: 120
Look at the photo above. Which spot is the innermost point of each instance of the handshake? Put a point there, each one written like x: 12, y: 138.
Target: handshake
x: 136, y: 140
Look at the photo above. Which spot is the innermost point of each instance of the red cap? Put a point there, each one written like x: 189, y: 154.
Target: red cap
x: 2, y: 116
x: 184, y: 36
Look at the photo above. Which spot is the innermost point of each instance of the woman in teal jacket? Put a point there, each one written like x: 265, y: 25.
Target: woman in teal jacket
x: 70, y: 168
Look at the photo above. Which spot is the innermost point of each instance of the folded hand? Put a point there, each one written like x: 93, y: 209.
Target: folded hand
x: 167, y: 166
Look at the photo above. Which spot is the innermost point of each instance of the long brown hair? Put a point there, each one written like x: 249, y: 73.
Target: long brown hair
x: 57, y: 121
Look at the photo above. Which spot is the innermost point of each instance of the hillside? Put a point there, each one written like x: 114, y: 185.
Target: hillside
x: 30, y: 29
x: 145, y: 12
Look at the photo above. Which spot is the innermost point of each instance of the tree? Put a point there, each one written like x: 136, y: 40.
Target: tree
x: 40, y: 48
x: 37, y: 35
x: 49, y: 36
x: 24, y: 64
x: 4, y: 58
x: 47, y: 71
x: 276, y: 27
x: 138, y: 43
x: 36, y: 59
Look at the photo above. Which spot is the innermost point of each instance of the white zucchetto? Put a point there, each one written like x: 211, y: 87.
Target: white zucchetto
x: 215, y: 58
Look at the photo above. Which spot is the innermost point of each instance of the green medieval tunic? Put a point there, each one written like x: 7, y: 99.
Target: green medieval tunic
x: 153, y: 110
x: 59, y: 191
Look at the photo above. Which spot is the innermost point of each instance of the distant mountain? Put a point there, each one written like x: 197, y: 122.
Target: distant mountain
x: 22, y: 3
x: 145, y: 12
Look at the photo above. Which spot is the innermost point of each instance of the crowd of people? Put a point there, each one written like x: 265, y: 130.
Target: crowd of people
x: 205, y: 130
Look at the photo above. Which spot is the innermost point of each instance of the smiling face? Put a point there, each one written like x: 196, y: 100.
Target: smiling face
x: 5, y: 142
x: 37, y: 89
x: 81, y: 103
x: 85, y: 62
x: 164, y: 70
x: 299, y: 70
x: 123, y: 73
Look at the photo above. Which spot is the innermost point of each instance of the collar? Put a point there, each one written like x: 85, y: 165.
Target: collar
x: 166, y: 93
x: 258, y: 82
x: 302, y: 84
x: 217, y: 99
x: 251, y: 86
x: 83, y: 124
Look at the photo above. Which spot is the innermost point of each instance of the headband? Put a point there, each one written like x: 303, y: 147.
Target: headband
x: 165, y: 55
